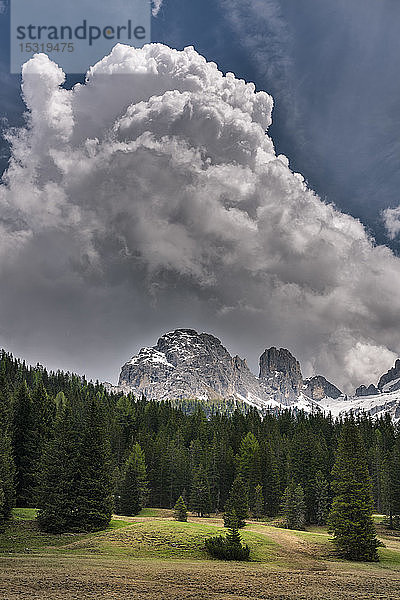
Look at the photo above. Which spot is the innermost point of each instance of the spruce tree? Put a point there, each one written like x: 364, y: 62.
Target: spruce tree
x: 237, y: 503
x: 7, y: 492
x: 248, y: 462
x: 304, y: 461
x: 178, y: 467
x: 271, y: 479
x: 44, y: 410
x: 94, y: 492
x: 25, y: 447
x: 294, y: 508
x: 377, y: 458
x: 7, y: 468
x: 180, y: 510
x: 322, y: 498
x: 350, y: 518
x: 392, y: 491
x: 229, y: 547
x: 200, y: 498
x: 132, y: 490
x: 58, y: 507
x: 76, y: 485
x: 235, y: 549
x: 258, y: 506
x: 224, y: 468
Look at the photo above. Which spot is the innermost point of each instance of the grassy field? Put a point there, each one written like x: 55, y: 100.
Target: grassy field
x: 152, y: 557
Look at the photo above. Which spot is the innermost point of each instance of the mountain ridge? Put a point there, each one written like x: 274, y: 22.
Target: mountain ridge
x: 185, y: 364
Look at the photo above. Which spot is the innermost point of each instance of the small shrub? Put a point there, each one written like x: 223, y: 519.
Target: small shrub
x: 228, y: 547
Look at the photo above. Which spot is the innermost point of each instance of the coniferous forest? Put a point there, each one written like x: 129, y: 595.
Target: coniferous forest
x: 77, y: 452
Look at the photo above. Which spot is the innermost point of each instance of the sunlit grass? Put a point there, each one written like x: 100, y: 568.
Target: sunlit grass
x: 157, y: 537
x: 25, y: 513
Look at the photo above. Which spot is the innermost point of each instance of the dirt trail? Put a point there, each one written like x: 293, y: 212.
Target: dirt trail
x: 291, y: 549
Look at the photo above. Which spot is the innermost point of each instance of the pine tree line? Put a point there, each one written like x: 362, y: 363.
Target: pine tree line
x: 128, y: 452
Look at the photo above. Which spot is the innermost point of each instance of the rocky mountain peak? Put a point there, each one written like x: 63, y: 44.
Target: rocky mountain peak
x: 281, y: 372
x: 273, y: 360
x: 390, y: 381
x: 317, y: 388
x: 240, y: 363
x: 187, y: 364
x: 184, y: 345
x: 363, y: 390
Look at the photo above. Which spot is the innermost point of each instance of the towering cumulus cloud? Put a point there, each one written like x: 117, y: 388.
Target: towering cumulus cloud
x: 152, y: 194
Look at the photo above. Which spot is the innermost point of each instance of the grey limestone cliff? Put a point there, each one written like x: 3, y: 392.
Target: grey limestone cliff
x: 280, y: 374
x: 318, y: 388
x: 363, y: 390
x: 186, y: 364
x: 390, y: 381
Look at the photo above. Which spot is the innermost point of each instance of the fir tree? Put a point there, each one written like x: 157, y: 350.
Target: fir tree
x: 322, y: 498
x: 294, y: 507
x: 60, y: 403
x: 75, y: 492
x: 223, y: 466
x: 60, y: 477
x: 235, y: 549
x: 25, y: 448
x: 350, y: 518
x: 237, y: 504
x: 229, y: 547
x: 133, y: 491
x: 377, y: 459
x: 200, y: 499
x: 392, y: 491
x: 304, y: 461
x: 178, y: 466
x: 7, y: 469
x: 271, y: 488
x: 258, y: 506
x: 180, y: 510
x: 248, y: 462
x: 44, y: 410
x: 94, y: 492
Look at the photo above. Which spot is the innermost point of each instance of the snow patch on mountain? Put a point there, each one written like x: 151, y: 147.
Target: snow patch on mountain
x: 376, y: 405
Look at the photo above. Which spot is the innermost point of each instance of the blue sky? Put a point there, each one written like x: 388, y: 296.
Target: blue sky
x: 333, y: 69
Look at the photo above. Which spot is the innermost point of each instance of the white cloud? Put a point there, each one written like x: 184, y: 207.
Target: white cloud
x: 363, y: 361
x: 391, y: 219
x: 160, y: 185
x: 157, y: 4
